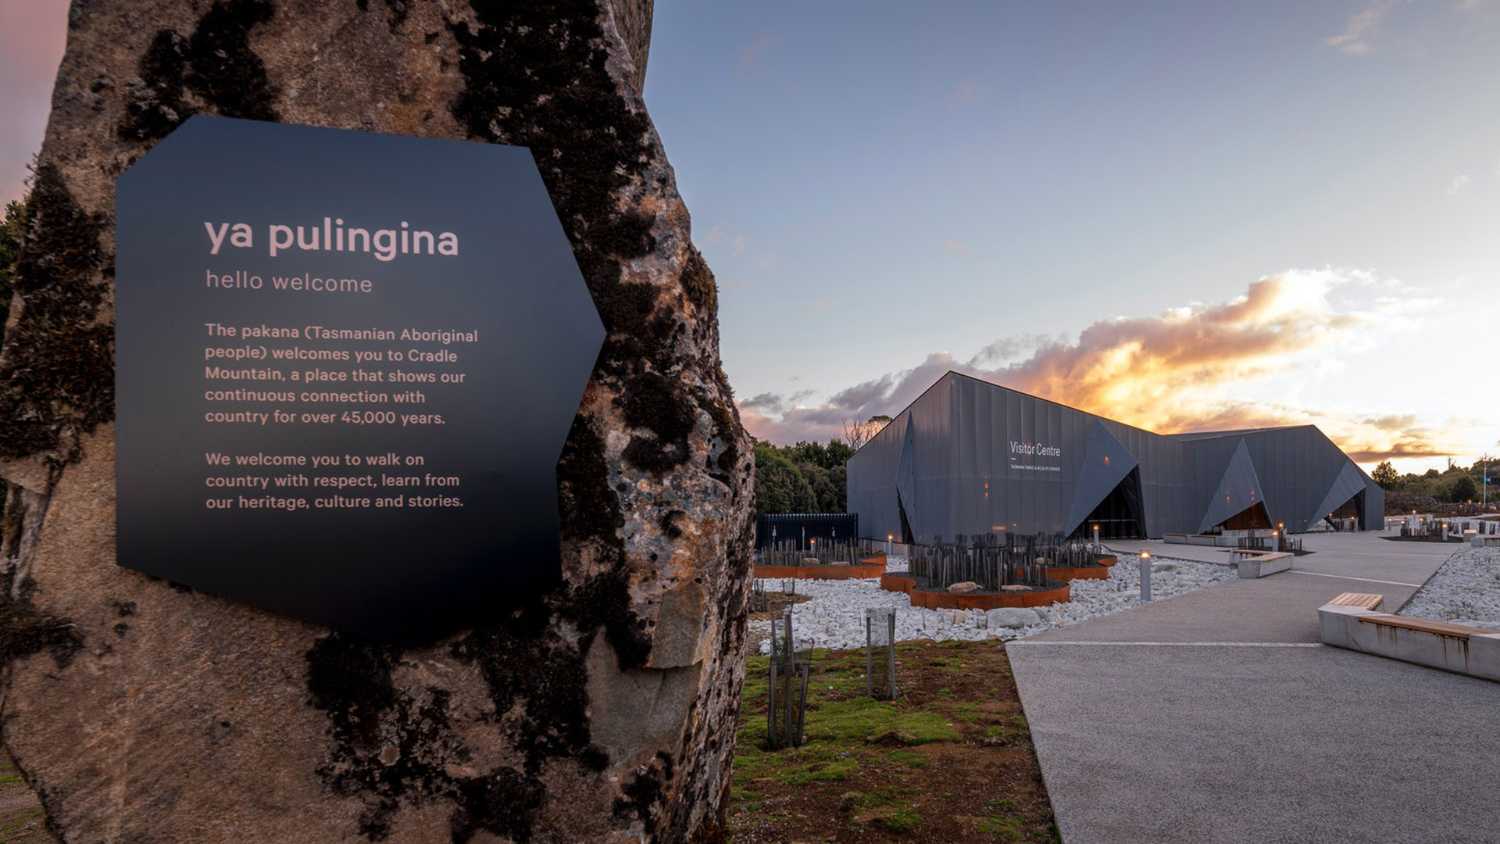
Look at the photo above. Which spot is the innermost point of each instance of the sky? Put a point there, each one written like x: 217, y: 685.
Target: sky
x: 1179, y: 215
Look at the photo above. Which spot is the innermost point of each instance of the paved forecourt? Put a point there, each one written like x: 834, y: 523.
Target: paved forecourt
x: 1217, y: 716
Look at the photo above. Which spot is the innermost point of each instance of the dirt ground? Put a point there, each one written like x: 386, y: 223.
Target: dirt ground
x: 21, y: 818
x: 950, y: 760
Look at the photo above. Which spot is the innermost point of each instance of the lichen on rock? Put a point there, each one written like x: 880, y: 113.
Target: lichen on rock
x: 57, y: 364
x: 604, y: 711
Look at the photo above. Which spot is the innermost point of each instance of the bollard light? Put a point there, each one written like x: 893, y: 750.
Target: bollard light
x: 1145, y: 576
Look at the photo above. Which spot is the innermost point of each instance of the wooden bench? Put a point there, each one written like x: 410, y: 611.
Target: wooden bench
x: 1363, y: 600
x: 1440, y: 628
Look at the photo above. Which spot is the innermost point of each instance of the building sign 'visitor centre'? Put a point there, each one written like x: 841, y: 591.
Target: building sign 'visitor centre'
x: 973, y: 458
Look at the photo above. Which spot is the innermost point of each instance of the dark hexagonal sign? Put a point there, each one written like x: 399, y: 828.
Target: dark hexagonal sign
x: 346, y: 366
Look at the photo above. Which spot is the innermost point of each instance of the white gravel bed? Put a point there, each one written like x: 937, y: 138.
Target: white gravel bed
x: 1465, y: 590
x: 835, y: 615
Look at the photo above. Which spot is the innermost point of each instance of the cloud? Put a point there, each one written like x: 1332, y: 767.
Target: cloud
x: 774, y: 402
x: 752, y: 53
x: 1458, y: 183
x: 964, y: 93
x: 717, y: 235
x: 1181, y: 370
x: 1010, y: 349
x: 1397, y: 449
x: 953, y: 246
x: 1360, y: 28
x: 1393, y: 423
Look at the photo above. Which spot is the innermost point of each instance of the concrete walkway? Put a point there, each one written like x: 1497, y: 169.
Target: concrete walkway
x: 1217, y: 716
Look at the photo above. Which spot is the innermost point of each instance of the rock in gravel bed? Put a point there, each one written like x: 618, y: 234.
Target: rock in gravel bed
x: 1013, y: 617
x: 1465, y: 590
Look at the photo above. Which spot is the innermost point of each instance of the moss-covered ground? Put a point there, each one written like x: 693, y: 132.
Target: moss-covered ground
x: 949, y: 760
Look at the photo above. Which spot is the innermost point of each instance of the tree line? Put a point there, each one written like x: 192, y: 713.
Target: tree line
x: 802, y: 478
x: 12, y: 228
x: 809, y: 477
x: 1456, y: 485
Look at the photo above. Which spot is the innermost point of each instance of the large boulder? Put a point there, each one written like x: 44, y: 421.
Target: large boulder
x: 1012, y: 617
x: 141, y: 711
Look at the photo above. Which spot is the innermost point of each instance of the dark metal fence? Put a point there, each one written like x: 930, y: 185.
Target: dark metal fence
x: 802, y: 528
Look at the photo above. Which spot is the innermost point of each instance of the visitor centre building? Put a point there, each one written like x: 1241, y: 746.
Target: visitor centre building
x: 972, y: 458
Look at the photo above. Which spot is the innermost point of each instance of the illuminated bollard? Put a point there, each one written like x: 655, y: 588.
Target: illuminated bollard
x: 1145, y: 577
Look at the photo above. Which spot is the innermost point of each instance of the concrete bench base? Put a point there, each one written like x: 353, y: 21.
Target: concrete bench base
x: 1451, y: 647
x: 1260, y: 564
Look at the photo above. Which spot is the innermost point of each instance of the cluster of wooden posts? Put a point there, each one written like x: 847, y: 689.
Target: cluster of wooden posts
x: 1434, y: 529
x: 790, y: 552
x: 993, y: 562
x: 1278, y: 541
x: 786, y: 702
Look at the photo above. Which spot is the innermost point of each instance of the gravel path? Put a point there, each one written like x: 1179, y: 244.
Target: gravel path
x: 1465, y: 590
x: 834, y: 617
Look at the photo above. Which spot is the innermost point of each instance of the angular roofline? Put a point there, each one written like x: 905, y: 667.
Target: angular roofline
x: 909, y: 406
x: 1186, y: 435
x: 1236, y: 432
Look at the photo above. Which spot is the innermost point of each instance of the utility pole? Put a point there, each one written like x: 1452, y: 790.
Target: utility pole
x: 1484, y: 482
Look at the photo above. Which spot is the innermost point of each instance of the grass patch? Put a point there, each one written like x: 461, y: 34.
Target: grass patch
x: 1006, y: 828
x: 837, y: 771
x: 877, y: 722
x: 899, y: 820
x: 909, y: 758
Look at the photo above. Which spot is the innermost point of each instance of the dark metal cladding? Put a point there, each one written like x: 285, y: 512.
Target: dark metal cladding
x: 970, y: 458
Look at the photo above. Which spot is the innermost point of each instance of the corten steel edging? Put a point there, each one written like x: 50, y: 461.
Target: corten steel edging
x: 1064, y: 574
x: 868, y: 568
x: 933, y: 600
x: 1067, y: 573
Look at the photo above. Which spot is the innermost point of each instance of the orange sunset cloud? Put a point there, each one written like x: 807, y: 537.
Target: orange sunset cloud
x: 1183, y: 370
